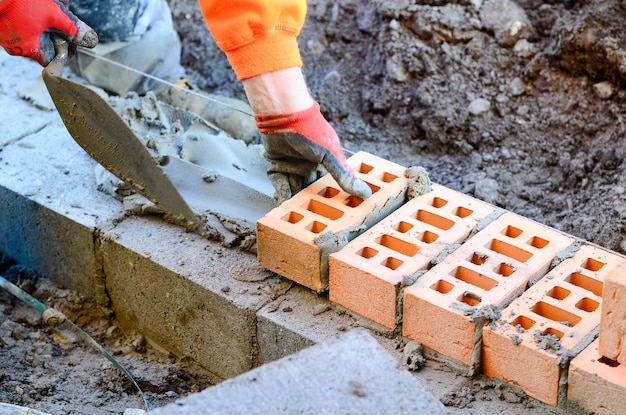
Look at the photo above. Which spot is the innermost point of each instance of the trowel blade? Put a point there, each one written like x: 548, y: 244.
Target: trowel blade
x: 106, y: 137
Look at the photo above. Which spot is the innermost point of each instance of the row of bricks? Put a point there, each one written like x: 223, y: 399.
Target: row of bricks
x: 366, y: 271
x: 553, y: 321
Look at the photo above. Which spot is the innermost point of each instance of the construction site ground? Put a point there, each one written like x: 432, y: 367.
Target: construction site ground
x: 535, y: 127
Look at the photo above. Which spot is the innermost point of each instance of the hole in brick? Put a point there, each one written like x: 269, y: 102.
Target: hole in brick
x: 462, y: 212
x: 367, y: 252
x: 403, y: 227
x: 398, y: 245
x: 538, y: 242
x: 558, y: 293
x: 365, y: 168
x: 323, y: 209
x: 353, y: 201
x: 292, y: 217
x: 586, y: 283
x: 505, y: 269
x: 509, y: 250
x: 439, y: 202
x: 608, y: 362
x: 478, y: 258
x: 442, y: 286
x: 592, y: 265
x: 373, y: 187
x: 553, y: 332
x: 555, y: 314
x: 434, y: 220
x: 524, y: 322
x: 392, y: 263
x: 474, y: 278
x: 388, y: 177
x: 587, y: 304
x: 328, y: 192
x: 512, y: 231
x: 470, y: 299
x: 429, y: 237
x: 315, y: 227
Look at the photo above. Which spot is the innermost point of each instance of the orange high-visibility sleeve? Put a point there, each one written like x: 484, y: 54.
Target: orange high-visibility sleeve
x: 258, y: 36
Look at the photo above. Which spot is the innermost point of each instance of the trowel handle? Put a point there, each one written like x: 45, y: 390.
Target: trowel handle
x: 61, y: 58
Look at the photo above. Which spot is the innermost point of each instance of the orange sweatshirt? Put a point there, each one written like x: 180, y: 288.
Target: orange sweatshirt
x: 257, y: 36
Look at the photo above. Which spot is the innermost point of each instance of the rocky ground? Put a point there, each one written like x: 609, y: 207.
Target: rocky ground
x: 517, y: 103
x: 527, y: 115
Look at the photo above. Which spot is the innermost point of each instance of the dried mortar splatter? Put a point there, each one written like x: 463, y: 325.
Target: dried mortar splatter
x: 52, y: 317
x: 419, y: 182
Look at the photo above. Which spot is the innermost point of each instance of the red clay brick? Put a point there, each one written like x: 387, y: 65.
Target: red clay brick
x: 613, y: 315
x: 295, y: 239
x: 597, y: 384
x: 490, y: 269
x: 366, y: 275
x: 566, y: 305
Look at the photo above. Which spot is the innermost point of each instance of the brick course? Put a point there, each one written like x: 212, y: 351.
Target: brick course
x: 489, y: 270
x: 366, y: 276
x: 554, y: 319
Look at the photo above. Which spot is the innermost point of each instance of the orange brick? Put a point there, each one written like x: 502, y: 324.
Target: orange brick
x: 366, y: 275
x: 295, y: 239
x: 597, y: 384
x: 566, y: 305
x: 613, y: 316
x: 490, y: 269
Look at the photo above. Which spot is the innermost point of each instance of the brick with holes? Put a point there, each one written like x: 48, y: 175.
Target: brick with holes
x: 552, y: 321
x: 366, y: 276
x: 613, y: 315
x: 597, y: 384
x: 295, y: 239
x: 485, y: 274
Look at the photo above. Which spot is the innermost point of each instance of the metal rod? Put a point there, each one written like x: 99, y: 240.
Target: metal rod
x: 65, y: 322
x: 162, y: 81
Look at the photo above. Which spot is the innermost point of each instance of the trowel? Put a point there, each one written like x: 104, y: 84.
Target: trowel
x: 106, y: 137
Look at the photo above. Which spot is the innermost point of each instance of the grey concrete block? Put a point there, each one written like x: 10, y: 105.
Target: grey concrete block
x: 297, y: 320
x: 50, y: 207
x: 349, y: 374
x: 176, y: 288
x: 47, y: 241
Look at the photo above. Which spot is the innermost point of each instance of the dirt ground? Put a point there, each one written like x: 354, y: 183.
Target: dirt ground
x: 52, y: 370
x: 519, y: 104
x: 399, y: 77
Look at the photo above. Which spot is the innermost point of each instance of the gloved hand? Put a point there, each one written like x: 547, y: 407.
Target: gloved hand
x: 296, y: 145
x: 26, y: 27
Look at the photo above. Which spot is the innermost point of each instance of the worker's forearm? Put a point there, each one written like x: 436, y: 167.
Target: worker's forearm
x: 278, y: 92
x: 258, y: 36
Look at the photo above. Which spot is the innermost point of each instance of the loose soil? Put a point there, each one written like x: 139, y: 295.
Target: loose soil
x: 397, y: 78
x: 532, y: 121
x: 50, y: 369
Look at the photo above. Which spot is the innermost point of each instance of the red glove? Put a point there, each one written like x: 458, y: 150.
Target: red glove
x: 26, y: 26
x: 296, y: 145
